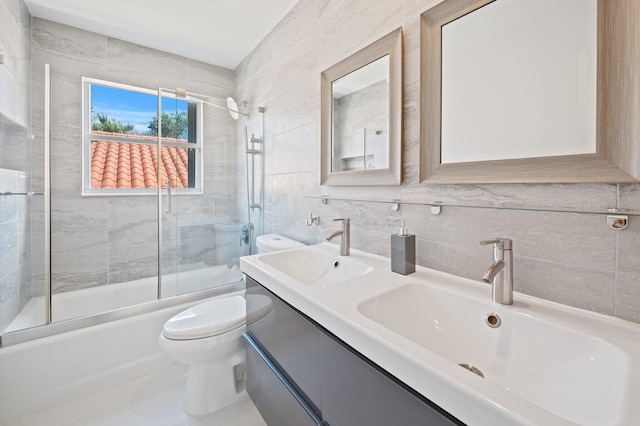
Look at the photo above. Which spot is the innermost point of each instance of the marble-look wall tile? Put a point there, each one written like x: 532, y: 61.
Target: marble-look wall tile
x: 295, y: 150
x: 71, y: 52
x: 629, y: 247
x: 2, y: 142
x: 9, y: 297
x: 16, y: 149
x: 75, y: 270
x: 348, y: 26
x: 133, y: 261
x: 200, y: 81
x: 133, y: 228
x: 580, y: 287
x: 15, y: 72
x: 140, y: 66
x: 411, y: 7
x: 627, y: 296
x: 9, y: 259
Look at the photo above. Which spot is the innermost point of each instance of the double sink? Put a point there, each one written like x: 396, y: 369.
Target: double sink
x: 533, y: 362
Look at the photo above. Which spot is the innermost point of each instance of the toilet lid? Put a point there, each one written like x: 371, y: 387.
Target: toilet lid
x: 258, y: 305
x: 207, y: 319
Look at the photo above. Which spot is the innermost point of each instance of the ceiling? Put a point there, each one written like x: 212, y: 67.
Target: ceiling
x: 219, y: 32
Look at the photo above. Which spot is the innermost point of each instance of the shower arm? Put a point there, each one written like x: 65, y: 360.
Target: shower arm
x: 183, y: 94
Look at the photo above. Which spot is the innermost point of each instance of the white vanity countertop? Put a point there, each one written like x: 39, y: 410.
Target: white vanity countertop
x: 468, y: 397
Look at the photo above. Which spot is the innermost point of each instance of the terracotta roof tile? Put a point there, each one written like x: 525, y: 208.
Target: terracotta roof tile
x: 126, y: 165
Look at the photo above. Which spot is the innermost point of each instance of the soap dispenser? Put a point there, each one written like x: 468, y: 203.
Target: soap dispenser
x: 403, y: 252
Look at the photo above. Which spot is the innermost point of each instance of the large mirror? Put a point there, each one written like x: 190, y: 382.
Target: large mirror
x: 361, y: 131
x: 520, y: 91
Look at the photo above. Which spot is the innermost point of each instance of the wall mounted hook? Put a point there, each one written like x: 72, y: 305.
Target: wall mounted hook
x: 313, y: 219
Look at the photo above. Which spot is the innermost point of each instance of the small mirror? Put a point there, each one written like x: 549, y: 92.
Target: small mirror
x: 361, y: 116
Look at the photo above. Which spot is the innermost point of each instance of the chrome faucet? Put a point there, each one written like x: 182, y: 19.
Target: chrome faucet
x: 500, y: 273
x: 345, y: 239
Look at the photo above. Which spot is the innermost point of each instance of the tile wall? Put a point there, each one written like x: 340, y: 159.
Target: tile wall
x: 570, y: 258
x: 15, y: 210
x: 15, y: 223
x: 104, y: 240
x: 15, y: 71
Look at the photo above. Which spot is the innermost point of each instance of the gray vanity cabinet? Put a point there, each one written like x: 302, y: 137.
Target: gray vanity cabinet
x: 339, y: 386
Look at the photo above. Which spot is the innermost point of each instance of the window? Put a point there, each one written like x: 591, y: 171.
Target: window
x: 120, y: 140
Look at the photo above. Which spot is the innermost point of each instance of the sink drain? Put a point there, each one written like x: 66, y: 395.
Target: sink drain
x: 473, y: 369
x: 493, y: 320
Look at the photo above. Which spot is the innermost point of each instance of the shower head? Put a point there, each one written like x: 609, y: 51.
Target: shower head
x: 231, y: 108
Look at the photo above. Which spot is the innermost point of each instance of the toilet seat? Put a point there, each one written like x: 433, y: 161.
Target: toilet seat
x: 216, y: 317
x: 207, y: 319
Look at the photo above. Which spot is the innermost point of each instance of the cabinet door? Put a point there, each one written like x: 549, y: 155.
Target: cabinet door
x: 274, y: 401
x: 292, y: 341
x: 356, y: 393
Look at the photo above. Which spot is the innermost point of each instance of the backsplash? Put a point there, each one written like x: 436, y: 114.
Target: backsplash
x: 570, y: 258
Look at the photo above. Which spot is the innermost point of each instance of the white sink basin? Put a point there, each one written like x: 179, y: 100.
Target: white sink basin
x: 571, y: 374
x: 311, y: 266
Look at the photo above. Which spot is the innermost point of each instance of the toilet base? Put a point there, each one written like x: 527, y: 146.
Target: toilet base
x: 214, y: 386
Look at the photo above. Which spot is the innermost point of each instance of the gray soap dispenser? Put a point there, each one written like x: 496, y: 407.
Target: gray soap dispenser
x: 403, y: 252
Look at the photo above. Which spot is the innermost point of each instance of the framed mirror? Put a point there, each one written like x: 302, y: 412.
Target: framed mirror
x: 519, y: 91
x: 361, y: 116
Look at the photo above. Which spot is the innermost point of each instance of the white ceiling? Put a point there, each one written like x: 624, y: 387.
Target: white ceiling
x: 220, y: 32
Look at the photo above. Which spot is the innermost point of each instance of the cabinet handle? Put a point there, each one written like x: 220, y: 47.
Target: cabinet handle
x: 255, y: 344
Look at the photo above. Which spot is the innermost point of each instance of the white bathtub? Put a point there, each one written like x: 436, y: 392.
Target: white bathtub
x: 105, y: 298
x: 46, y: 372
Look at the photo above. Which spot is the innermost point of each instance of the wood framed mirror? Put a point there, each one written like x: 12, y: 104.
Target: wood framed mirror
x: 615, y: 154
x: 361, y: 116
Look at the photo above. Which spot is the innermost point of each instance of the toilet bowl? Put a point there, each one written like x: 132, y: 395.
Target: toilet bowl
x: 208, y: 338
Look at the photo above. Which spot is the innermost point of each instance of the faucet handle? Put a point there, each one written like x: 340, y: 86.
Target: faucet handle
x: 343, y: 219
x: 501, y: 243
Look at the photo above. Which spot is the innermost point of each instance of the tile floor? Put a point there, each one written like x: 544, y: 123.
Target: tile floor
x: 152, y: 400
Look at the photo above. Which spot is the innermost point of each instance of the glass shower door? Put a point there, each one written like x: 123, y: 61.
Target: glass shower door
x: 201, y: 236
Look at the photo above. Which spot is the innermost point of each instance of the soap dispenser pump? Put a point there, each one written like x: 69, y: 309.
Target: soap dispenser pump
x: 403, y: 251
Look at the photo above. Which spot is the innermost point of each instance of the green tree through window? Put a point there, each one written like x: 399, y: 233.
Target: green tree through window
x: 174, y: 125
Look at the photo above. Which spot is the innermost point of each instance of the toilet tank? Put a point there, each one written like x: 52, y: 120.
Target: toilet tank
x: 274, y: 242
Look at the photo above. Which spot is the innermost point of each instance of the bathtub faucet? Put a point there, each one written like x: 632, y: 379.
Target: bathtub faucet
x: 500, y: 273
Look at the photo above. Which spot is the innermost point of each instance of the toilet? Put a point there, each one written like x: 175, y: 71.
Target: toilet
x: 273, y: 242
x: 208, y: 338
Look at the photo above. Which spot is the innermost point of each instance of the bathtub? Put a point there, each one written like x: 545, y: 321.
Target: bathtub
x: 49, y: 371
x: 105, y: 298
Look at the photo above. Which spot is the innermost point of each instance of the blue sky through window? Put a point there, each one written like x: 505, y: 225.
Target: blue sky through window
x: 131, y: 107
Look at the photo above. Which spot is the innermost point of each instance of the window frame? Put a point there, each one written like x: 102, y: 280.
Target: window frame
x: 88, y: 137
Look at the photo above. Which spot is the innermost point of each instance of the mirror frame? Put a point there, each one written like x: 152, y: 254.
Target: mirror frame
x: 616, y: 115
x: 391, y: 45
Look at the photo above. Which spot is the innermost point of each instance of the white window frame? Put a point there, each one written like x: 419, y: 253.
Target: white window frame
x: 88, y: 137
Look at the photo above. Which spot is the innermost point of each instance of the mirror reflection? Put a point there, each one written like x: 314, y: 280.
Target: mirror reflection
x: 361, y: 118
